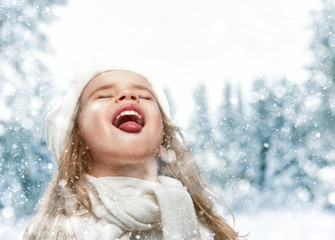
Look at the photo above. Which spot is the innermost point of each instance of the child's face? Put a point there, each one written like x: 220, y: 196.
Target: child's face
x: 120, y: 119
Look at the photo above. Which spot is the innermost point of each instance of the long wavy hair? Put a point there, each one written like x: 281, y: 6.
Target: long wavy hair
x: 66, y: 195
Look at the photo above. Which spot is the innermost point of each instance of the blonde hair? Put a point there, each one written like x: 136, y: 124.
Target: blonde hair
x: 68, y: 186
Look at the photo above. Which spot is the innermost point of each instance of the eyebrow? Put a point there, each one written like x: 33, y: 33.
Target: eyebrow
x: 143, y: 88
x: 104, y: 87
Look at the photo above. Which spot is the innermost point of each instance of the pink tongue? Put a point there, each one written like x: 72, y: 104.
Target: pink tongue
x: 130, y: 126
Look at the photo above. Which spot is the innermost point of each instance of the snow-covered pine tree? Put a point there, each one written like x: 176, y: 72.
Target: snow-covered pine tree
x: 232, y: 134
x: 321, y: 103
x: 24, y: 86
x: 232, y: 148
x: 200, y: 130
x: 288, y: 181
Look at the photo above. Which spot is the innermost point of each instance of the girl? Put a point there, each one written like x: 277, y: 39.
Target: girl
x: 124, y: 171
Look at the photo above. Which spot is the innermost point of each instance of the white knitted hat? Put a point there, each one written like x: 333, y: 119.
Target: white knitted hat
x: 58, y: 121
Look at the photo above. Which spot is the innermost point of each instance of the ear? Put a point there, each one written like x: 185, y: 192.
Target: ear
x: 161, y: 152
x: 166, y: 155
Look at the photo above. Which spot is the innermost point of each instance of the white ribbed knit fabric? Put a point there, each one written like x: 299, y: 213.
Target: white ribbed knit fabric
x: 59, y: 119
x: 130, y: 208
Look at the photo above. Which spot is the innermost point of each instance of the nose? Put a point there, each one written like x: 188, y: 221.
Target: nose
x: 126, y: 96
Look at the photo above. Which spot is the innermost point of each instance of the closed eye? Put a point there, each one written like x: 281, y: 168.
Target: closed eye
x: 104, y: 96
x: 145, y: 97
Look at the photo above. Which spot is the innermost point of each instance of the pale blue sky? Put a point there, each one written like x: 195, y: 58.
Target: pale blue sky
x: 185, y: 42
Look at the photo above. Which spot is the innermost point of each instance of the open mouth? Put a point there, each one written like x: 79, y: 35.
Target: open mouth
x: 129, y: 118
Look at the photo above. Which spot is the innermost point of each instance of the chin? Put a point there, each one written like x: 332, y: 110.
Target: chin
x: 138, y: 153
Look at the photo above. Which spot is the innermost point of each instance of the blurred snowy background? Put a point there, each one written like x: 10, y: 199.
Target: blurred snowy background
x: 250, y: 82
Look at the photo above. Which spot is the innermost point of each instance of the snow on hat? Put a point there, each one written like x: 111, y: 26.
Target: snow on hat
x: 58, y: 121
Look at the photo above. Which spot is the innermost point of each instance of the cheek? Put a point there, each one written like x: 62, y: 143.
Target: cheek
x: 90, y: 121
x: 159, y: 125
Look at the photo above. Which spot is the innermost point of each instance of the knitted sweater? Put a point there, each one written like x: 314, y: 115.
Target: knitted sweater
x: 130, y: 208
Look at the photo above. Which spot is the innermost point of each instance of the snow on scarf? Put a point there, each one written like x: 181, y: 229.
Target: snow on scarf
x: 135, y: 205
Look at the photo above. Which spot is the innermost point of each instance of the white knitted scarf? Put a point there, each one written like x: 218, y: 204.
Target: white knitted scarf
x: 138, y: 205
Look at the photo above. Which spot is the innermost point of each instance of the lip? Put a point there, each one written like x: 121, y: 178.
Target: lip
x: 129, y: 106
